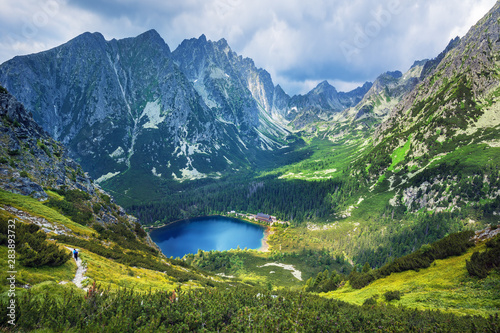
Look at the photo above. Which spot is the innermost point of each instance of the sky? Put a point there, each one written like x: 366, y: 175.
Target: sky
x: 300, y: 43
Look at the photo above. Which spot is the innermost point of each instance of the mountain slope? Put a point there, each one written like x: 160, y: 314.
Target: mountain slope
x: 35, y: 165
x: 322, y: 103
x: 386, y: 91
x: 237, y: 91
x: 44, y: 193
x: 31, y: 159
x: 222, y: 77
x: 446, y: 286
x: 131, y: 109
x: 439, y: 146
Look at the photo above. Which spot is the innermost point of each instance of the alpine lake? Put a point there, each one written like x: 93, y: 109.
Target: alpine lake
x: 207, y: 233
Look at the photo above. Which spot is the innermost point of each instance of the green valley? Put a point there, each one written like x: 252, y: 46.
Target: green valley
x: 380, y: 207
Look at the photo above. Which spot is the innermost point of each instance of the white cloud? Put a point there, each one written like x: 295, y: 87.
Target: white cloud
x: 298, y: 42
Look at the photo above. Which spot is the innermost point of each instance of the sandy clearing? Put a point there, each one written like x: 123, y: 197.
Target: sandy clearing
x: 295, y: 272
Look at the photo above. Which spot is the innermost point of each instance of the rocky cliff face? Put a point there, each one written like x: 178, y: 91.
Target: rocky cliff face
x: 234, y: 89
x: 31, y: 162
x: 387, y: 90
x: 322, y: 103
x: 31, y: 159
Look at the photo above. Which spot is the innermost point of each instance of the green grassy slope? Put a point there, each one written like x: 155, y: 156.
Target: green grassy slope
x: 445, y: 286
x: 108, y: 259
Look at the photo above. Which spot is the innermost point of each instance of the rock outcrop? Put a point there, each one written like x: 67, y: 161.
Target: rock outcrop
x: 31, y: 162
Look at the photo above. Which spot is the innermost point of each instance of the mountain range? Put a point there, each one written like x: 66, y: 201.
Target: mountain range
x: 146, y: 122
x: 389, y: 194
x: 132, y: 104
x: 122, y: 282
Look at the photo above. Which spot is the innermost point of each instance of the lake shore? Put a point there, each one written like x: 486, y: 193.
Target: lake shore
x: 265, y: 245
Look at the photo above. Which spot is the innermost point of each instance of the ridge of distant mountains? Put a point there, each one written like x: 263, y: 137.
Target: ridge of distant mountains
x: 132, y: 105
x: 133, y: 109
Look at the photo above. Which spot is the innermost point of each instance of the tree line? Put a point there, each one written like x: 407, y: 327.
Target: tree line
x: 288, y: 200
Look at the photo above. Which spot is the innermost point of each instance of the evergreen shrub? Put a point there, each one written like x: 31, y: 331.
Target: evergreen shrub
x: 392, y: 295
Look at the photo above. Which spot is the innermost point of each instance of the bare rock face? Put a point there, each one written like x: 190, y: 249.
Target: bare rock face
x: 387, y: 90
x: 323, y: 103
x: 119, y: 105
x: 488, y: 233
x: 31, y: 162
x: 31, y: 159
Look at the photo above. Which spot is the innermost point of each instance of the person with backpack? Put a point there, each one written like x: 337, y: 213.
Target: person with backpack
x: 75, y: 254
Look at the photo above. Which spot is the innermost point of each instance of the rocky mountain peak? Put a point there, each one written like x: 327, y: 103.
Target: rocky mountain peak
x: 394, y: 74
x: 222, y: 44
x: 202, y: 38
x: 366, y: 86
x: 380, y: 97
x: 418, y: 63
x: 150, y: 34
x: 324, y: 87
x: 385, y: 79
x: 86, y: 40
x: 430, y: 65
x: 232, y: 86
x: 153, y: 38
x: 148, y: 43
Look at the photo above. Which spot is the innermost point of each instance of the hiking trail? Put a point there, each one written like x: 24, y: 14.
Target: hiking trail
x: 80, y: 271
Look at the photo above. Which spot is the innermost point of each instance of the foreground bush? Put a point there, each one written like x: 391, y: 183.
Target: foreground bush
x: 226, y: 310
x: 323, y: 282
x: 32, y: 246
x: 392, y: 295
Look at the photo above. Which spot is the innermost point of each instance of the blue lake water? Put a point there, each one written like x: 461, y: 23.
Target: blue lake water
x: 207, y: 233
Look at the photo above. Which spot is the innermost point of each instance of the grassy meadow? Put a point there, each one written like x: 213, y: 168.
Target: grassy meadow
x: 445, y: 286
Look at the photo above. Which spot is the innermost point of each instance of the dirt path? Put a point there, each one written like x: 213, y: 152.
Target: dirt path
x: 80, y: 271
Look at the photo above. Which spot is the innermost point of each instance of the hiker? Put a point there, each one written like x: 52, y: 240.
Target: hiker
x: 75, y: 253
